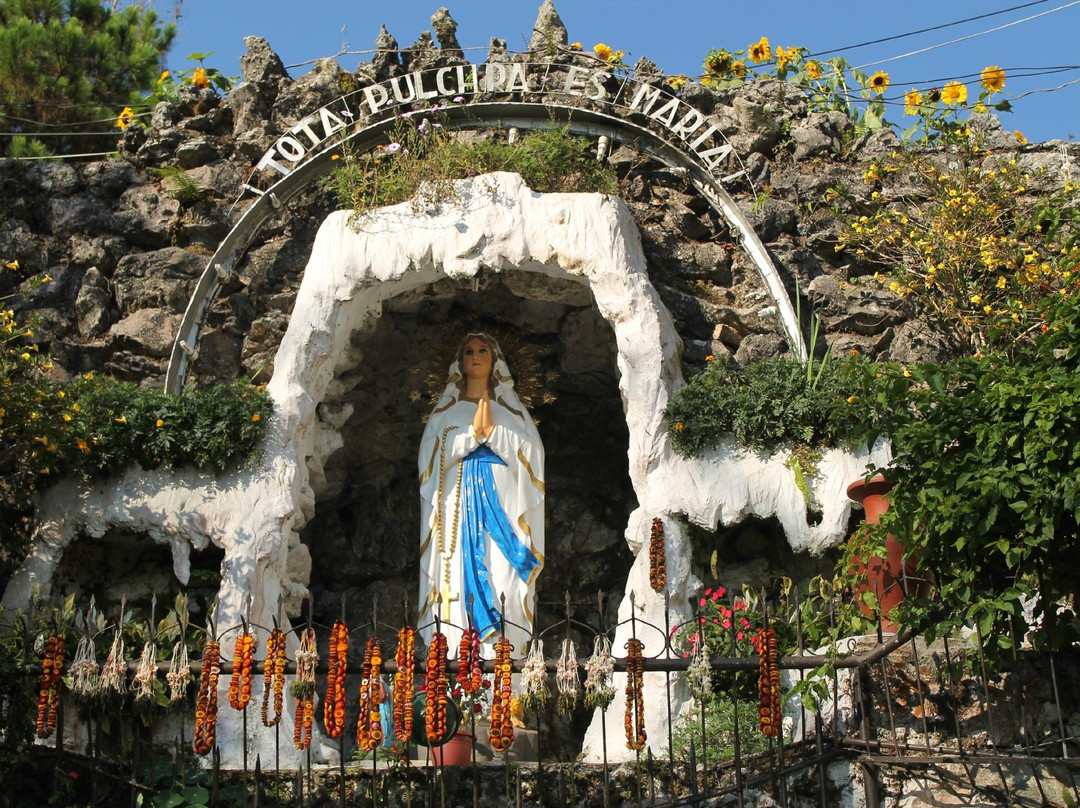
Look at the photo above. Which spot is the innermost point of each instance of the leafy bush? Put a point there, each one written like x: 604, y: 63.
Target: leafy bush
x: 766, y: 404
x: 422, y: 161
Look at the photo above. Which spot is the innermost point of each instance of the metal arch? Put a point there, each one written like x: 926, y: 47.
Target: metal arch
x: 481, y: 115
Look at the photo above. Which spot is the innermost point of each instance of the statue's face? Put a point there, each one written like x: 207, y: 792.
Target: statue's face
x: 477, y: 360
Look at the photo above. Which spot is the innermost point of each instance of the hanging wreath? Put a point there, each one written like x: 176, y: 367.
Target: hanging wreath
x: 635, y: 702
x: 501, y: 732
x: 85, y: 671
x: 240, y: 681
x: 369, y: 732
x: 769, y: 713
x: 567, y: 679
x: 114, y: 671
x: 52, y: 664
x: 598, y: 670
x: 303, y: 689
x: 146, y: 674
x: 534, y: 689
x: 435, y: 689
x: 337, y: 662
x: 657, y: 557
x: 274, y: 677
x: 404, y: 683
x: 206, y: 705
x: 470, y: 674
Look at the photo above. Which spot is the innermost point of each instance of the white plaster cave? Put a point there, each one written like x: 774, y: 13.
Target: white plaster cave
x: 496, y: 223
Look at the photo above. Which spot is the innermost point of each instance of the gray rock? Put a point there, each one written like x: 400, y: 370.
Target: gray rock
x: 497, y: 50
x: 549, y: 33
x: 220, y: 178
x: 316, y: 88
x: 919, y: 341
x: 74, y: 214
x: 110, y: 178
x: 249, y: 107
x: 165, y: 115
x: 159, y: 147
x: 219, y: 354
x: 93, y: 306
x: 100, y: 252
x: 196, y: 152
x: 57, y: 293
x: 825, y: 293
x: 133, y: 367
x: 876, y: 144
x: 757, y: 130
x: 146, y: 216
x: 263, y: 68
x: 421, y: 54
x: 821, y: 133
x: 446, y: 31
x: 56, y: 178
x: 386, y: 61
x: 772, y: 218
x: 217, y: 121
x: 759, y: 346
x: 162, y: 279
x: 147, y: 332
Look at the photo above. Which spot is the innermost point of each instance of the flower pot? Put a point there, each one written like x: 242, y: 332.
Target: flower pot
x: 889, y: 578
x: 455, y: 752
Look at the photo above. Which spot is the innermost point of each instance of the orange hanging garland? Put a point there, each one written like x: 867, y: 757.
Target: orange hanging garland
x: 334, y: 706
x: 206, y: 702
x: 470, y: 674
x: 49, y: 691
x: 369, y: 732
x: 635, y: 702
x: 657, y: 557
x: 274, y: 677
x: 769, y: 713
x: 303, y: 689
x: 501, y: 733
x: 404, y: 683
x: 435, y: 687
x: 240, y: 681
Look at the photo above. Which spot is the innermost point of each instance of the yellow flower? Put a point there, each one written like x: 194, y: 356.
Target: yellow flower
x: 912, y: 101
x: 954, y: 93
x: 164, y: 75
x: 760, y: 51
x: 602, y: 51
x: 75, y: 407
x: 851, y: 399
x: 1019, y: 137
x: 199, y: 79
x: 256, y: 418
x: 738, y: 69
x: 65, y: 416
x: 24, y: 356
x: 159, y: 423
x: 1001, y: 282
x: 121, y: 420
x: 83, y: 445
x: 575, y: 46
x: 11, y: 264
x: 879, y: 82
x: 813, y: 70
x: 677, y: 82
x: 710, y: 358
x: 124, y: 119
x: 993, y: 78
x: 678, y: 426
x: 335, y: 156
x: 784, y: 56
x: 976, y: 299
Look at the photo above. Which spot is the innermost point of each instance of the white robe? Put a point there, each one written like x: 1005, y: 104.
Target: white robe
x: 520, y: 489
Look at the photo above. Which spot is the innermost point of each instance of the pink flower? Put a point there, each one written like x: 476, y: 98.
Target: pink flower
x: 701, y: 603
x: 719, y: 593
x: 745, y: 623
x: 477, y: 708
x: 738, y: 635
x: 727, y: 624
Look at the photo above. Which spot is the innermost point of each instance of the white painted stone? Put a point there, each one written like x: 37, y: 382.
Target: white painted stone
x: 496, y: 223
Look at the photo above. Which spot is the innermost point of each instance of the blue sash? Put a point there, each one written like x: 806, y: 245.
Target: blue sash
x: 483, y: 517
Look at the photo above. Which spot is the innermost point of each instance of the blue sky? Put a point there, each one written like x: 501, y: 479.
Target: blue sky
x: 677, y: 35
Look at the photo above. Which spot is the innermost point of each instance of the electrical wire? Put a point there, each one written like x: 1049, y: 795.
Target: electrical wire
x: 969, y: 36
x: 927, y: 30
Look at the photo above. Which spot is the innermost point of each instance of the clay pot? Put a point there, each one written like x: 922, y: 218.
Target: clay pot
x: 889, y: 578
x: 455, y: 752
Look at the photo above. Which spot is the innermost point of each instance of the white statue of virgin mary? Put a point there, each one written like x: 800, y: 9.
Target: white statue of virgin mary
x: 482, y: 503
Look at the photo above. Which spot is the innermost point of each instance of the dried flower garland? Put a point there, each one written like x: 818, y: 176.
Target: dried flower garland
x: 337, y: 662
x: 470, y: 674
x: 274, y: 677
x: 179, y: 674
x: 303, y: 689
x: 435, y: 688
x: 206, y: 702
x: 146, y: 673
x: 49, y: 692
x: 404, y: 683
x: 240, y: 681
x: 114, y: 671
x: 85, y: 671
x: 699, y: 674
x: 534, y: 689
x: 769, y: 713
x: 598, y: 669
x: 567, y: 679
x: 635, y: 703
x: 657, y: 557
x: 369, y: 732
x: 501, y: 733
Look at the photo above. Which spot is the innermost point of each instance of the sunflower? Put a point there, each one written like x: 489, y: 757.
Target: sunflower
x: 718, y: 62
x: 954, y: 93
x: 934, y: 95
x: 200, y: 79
x: 738, y: 69
x: 993, y: 78
x: 760, y: 51
x: 602, y: 51
x: 785, y: 56
x: 912, y: 101
x: 813, y: 70
x: 125, y: 118
x: 879, y: 82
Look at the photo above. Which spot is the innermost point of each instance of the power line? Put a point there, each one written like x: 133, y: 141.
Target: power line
x: 969, y: 36
x: 928, y: 30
